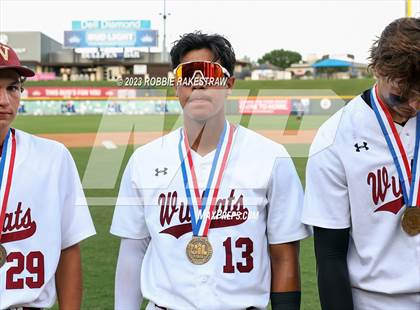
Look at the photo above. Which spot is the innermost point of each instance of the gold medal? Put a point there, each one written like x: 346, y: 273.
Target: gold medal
x: 3, y: 256
x: 411, y: 221
x: 199, y: 250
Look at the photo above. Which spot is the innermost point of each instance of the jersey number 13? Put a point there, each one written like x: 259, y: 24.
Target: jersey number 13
x: 247, y: 247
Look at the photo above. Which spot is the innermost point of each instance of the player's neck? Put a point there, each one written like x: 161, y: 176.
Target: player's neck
x: 398, y: 118
x: 204, y: 136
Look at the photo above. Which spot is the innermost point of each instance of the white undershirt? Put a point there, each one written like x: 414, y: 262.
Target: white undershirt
x: 127, y: 278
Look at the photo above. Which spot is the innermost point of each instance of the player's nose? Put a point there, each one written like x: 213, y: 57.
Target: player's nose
x: 198, y: 86
x: 4, y: 96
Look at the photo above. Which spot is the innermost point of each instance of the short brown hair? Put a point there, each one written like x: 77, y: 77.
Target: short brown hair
x: 396, y: 55
x: 219, y: 46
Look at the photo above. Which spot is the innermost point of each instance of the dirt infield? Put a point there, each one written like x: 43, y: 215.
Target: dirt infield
x: 113, y: 139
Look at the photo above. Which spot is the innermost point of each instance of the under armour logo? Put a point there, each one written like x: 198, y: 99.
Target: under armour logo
x: 4, y: 52
x: 359, y: 147
x: 164, y: 171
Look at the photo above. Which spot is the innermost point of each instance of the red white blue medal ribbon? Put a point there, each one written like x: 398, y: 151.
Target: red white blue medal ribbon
x: 7, y: 164
x: 409, y: 177
x: 201, y: 207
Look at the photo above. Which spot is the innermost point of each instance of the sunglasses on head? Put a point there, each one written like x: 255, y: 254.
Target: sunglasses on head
x: 207, y: 69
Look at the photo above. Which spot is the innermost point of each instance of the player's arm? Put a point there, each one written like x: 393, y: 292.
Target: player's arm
x: 129, y: 223
x: 76, y: 225
x: 327, y: 205
x: 127, y: 277
x: 331, y: 247
x: 285, y: 278
x: 68, y: 279
x: 284, y: 230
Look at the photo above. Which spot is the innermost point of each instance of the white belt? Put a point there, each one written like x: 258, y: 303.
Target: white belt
x: 153, y: 306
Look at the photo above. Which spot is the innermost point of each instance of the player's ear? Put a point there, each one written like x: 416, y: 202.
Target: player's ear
x: 176, y: 89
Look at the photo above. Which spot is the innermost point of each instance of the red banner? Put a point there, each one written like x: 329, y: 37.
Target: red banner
x: 43, y: 76
x: 77, y: 92
x: 265, y: 106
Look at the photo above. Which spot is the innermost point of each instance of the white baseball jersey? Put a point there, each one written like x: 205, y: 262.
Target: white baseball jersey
x: 261, y: 196
x: 351, y: 181
x: 46, y: 212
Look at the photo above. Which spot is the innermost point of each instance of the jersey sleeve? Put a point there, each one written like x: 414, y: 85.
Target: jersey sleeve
x: 326, y: 202
x: 129, y: 220
x: 76, y: 222
x: 285, y: 198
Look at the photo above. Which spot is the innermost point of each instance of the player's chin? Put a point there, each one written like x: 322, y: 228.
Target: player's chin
x: 199, y: 116
x: 6, y: 119
x: 199, y: 112
x: 407, y: 112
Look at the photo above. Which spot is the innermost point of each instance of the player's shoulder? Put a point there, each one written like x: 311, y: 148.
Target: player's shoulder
x: 340, y: 125
x: 256, y: 142
x: 159, y: 149
x: 343, y: 117
x: 38, y: 144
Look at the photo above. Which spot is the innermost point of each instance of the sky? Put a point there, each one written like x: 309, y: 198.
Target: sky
x: 253, y: 27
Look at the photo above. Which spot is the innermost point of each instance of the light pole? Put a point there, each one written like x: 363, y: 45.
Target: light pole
x: 164, y: 15
x: 408, y: 12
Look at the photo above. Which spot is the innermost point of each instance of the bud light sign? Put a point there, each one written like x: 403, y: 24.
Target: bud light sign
x: 110, y: 38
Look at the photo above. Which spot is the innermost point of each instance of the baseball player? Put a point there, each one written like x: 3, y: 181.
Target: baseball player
x: 205, y: 210
x: 43, y: 212
x: 362, y: 185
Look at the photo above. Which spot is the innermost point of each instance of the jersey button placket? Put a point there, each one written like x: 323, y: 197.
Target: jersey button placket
x: 204, y: 280
x: 204, y: 172
x: 205, y: 288
x: 408, y: 145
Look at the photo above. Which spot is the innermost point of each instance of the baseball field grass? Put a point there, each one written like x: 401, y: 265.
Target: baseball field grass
x: 114, y: 123
x: 100, y: 252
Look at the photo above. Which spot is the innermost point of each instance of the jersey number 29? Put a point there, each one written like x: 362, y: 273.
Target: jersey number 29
x: 33, y: 263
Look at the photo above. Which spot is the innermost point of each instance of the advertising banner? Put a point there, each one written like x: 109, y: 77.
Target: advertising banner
x: 77, y: 92
x: 81, y: 107
x: 265, y: 106
x: 110, y: 24
x: 43, y: 76
x: 110, y: 38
